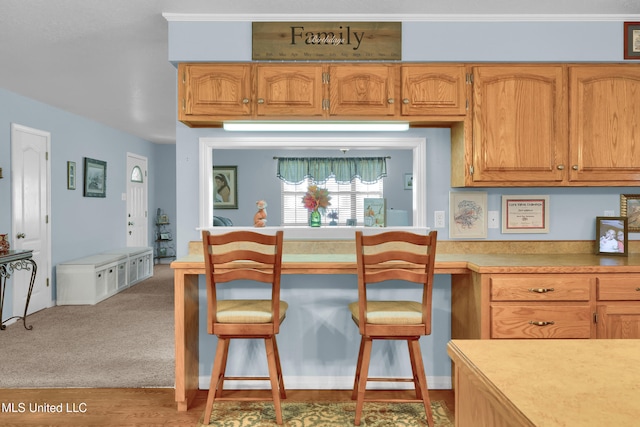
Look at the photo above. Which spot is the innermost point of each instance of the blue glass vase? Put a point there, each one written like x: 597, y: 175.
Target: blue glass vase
x: 315, y: 219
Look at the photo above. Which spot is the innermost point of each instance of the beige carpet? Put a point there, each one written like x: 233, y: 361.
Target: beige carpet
x: 327, y: 414
x: 124, y: 341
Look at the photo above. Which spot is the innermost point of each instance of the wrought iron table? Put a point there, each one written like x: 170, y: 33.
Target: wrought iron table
x: 9, y: 262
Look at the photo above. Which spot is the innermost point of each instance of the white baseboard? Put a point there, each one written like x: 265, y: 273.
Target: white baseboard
x: 325, y: 383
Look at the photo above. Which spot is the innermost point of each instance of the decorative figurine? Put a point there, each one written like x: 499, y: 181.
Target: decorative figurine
x: 260, y: 218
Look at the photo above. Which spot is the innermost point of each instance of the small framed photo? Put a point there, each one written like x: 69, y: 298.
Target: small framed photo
x: 408, y: 181
x: 630, y: 207
x: 163, y: 219
x: 165, y: 236
x: 525, y: 214
x: 95, y: 178
x: 468, y: 215
x: 375, y: 212
x: 611, y: 235
x: 225, y: 188
x: 71, y: 175
x: 632, y: 40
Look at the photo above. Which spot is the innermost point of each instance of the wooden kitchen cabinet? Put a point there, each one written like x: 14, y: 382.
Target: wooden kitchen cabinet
x: 519, y: 125
x: 604, y: 123
x: 289, y: 90
x: 210, y: 92
x: 363, y: 90
x: 433, y: 90
x: 618, y: 307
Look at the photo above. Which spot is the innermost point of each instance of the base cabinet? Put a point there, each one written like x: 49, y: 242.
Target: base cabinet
x: 92, y: 279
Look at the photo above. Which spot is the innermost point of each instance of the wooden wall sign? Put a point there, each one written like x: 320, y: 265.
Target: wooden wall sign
x: 327, y: 41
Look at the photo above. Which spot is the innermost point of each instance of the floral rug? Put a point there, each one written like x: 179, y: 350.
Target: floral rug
x: 327, y: 414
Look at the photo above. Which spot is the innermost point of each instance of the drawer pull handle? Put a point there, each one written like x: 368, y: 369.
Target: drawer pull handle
x: 541, y: 290
x: 551, y: 322
x: 638, y: 289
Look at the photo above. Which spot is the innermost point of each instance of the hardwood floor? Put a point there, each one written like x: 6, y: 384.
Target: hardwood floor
x: 148, y: 407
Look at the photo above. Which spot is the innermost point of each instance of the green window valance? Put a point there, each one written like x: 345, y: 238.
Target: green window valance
x: 294, y: 170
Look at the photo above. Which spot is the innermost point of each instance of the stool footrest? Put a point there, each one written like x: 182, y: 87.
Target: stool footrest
x: 398, y: 380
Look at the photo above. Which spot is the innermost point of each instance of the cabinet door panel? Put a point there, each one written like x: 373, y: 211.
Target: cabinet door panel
x: 216, y: 90
x: 433, y: 90
x: 289, y: 90
x: 533, y: 321
x: 362, y: 90
x: 619, y: 321
x: 519, y: 123
x: 605, y: 123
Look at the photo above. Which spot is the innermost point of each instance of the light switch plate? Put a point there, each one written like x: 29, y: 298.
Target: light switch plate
x: 493, y: 218
x: 438, y: 219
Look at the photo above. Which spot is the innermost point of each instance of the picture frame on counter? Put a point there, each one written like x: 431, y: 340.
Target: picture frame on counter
x: 632, y: 40
x: 375, y: 212
x: 612, y: 235
x: 468, y: 215
x: 525, y: 214
x: 225, y: 187
x: 630, y: 208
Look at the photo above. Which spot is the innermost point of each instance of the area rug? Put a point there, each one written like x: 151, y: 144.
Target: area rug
x: 327, y: 414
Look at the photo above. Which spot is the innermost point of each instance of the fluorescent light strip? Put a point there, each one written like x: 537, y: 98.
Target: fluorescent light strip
x: 319, y: 126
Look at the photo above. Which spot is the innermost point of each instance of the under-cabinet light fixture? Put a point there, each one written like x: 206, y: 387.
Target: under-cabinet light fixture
x: 319, y: 126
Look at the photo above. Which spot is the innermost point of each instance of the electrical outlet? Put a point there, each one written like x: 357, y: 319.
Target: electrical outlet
x: 609, y: 213
x: 493, y: 219
x: 438, y: 219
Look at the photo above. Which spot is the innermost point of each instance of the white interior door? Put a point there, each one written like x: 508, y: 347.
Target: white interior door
x: 30, y: 176
x: 137, y: 201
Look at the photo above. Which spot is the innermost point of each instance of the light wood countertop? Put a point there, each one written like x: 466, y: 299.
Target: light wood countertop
x: 556, y: 382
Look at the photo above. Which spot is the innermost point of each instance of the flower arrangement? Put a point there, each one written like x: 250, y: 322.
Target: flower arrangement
x: 316, y: 198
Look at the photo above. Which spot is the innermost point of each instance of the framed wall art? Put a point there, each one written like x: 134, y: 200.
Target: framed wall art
x: 468, y: 215
x: 95, y: 178
x: 525, y: 214
x: 71, y: 175
x: 632, y: 40
x: 611, y: 235
x: 630, y: 208
x: 408, y: 181
x: 225, y: 188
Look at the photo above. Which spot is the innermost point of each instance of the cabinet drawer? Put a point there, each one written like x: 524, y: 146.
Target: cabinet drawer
x: 530, y: 321
x: 540, y: 287
x: 626, y: 288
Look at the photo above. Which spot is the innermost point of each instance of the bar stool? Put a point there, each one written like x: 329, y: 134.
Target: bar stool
x: 244, y: 255
x: 403, y: 256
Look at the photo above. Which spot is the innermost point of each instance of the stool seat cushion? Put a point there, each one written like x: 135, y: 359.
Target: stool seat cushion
x: 390, y: 312
x: 247, y: 311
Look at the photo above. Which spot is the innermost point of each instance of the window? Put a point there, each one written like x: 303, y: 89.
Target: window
x: 136, y: 174
x: 346, y: 199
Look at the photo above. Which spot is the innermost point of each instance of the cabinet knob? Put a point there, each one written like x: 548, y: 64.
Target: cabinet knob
x: 560, y: 167
x: 638, y: 289
x: 260, y: 101
x: 390, y: 100
x: 245, y: 100
x: 405, y: 101
x: 574, y: 167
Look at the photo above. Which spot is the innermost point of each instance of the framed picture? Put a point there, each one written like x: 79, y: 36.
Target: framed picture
x: 225, y: 187
x: 71, y: 175
x: 165, y: 236
x: 468, y: 215
x: 375, y: 212
x: 163, y: 219
x: 630, y: 207
x: 611, y: 235
x: 408, y: 181
x: 525, y: 214
x: 632, y: 40
x: 95, y: 178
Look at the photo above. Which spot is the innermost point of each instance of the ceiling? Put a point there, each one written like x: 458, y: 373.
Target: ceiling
x: 107, y: 60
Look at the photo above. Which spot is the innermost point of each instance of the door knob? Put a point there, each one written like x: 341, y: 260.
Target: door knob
x: 20, y: 236
x: 129, y: 223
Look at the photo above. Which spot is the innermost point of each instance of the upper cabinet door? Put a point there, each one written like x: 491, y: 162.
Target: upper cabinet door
x: 605, y: 123
x: 519, y: 124
x: 289, y: 90
x: 363, y: 90
x: 214, y: 90
x: 432, y: 90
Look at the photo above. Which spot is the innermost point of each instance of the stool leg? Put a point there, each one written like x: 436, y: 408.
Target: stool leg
x: 416, y: 383
x: 273, y: 377
x: 223, y: 366
x: 216, y: 374
x: 364, y: 373
x: 416, y: 354
x: 283, y: 393
x: 354, y: 393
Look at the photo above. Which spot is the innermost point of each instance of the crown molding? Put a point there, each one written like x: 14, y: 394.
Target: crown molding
x: 211, y: 17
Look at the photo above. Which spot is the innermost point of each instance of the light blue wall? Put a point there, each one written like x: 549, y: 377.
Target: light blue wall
x: 318, y: 315
x: 81, y: 226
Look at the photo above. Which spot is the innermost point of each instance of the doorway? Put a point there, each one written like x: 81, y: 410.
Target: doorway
x: 137, y: 201
x: 31, y: 195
